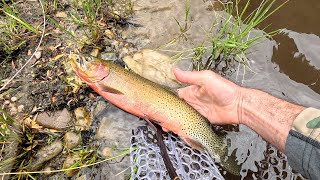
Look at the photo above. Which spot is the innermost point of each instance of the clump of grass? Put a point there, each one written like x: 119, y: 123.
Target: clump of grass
x: 15, y: 31
x: 234, y: 36
x: 88, y: 19
x: 184, y: 28
x: 9, y: 139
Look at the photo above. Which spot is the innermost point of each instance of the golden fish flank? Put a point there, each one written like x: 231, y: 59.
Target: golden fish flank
x: 149, y: 100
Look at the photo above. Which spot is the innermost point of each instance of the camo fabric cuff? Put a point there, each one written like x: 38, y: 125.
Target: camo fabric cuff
x: 308, y: 123
x: 303, y: 144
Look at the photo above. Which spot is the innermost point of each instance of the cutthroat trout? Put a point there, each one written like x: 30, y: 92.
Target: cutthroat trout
x: 151, y: 101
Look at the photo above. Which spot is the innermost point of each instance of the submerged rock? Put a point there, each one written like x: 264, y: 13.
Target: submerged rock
x: 45, y: 154
x: 72, y: 140
x: 154, y: 66
x: 58, y: 120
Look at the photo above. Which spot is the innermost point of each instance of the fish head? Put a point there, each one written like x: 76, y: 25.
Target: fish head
x: 90, y: 69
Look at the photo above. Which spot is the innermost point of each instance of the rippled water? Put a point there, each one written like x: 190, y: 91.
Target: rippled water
x: 287, y: 67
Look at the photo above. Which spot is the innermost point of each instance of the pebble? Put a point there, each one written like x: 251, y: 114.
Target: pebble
x: 110, y: 34
x: 70, y: 160
x: 109, y: 56
x: 6, y: 102
x: 83, y: 119
x: 107, y: 152
x: 37, y: 55
x: 20, y: 108
x: 13, y: 110
x: 13, y: 99
x: 72, y: 140
x: 94, y: 52
x: 48, y: 170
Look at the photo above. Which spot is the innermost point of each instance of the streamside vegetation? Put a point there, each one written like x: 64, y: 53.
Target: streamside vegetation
x: 229, y: 39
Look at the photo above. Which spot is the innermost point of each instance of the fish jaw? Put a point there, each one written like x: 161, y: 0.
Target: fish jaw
x: 89, y: 69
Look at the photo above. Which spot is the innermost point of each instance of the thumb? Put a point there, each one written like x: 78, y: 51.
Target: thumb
x: 188, y: 77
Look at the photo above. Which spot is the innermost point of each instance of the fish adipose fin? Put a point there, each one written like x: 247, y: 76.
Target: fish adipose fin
x: 194, y: 144
x: 109, y: 89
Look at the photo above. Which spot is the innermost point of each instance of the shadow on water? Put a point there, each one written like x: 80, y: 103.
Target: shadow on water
x: 302, y: 17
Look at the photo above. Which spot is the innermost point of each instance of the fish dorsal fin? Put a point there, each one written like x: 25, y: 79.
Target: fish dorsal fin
x: 194, y: 144
x: 109, y: 89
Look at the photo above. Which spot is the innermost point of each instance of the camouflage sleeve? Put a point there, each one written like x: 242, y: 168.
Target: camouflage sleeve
x: 303, y: 144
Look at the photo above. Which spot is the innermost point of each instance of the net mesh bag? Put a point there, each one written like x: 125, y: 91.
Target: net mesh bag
x: 147, y: 162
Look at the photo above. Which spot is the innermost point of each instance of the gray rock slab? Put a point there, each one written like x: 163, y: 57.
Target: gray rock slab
x: 115, y: 131
x: 57, y: 120
x: 45, y: 154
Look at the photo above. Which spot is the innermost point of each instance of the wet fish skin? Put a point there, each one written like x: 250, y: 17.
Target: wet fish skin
x: 149, y: 100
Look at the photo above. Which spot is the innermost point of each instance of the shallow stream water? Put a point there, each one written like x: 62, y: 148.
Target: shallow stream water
x: 286, y: 67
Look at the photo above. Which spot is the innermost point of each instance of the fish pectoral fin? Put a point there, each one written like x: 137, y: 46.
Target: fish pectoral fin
x: 194, y: 144
x: 109, y: 89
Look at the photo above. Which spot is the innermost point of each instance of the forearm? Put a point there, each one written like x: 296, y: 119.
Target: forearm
x: 269, y: 116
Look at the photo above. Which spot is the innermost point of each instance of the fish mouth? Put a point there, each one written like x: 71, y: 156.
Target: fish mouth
x: 86, y: 68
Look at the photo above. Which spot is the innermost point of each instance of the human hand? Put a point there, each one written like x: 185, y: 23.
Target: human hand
x: 211, y: 95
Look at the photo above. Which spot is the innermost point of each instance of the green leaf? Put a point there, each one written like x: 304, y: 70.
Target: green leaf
x: 314, y: 123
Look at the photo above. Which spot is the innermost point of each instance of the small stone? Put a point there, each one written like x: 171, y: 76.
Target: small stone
x: 94, y: 52
x: 110, y: 34
x: 13, y: 99
x: 83, y: 177
x: 13, y: 110
x: 109, y: 56
x: 37, y: 54
x: 107, y: 152
x: 47, y: 170
x: 92, y: 96
x: 83, y: 119
x: 45, y: 154
x: 70, y: 160
x: 58, y: 120
x: 72, y: 140
x: 61, y: 14
x: 20, y: 108
x: 6, y: 102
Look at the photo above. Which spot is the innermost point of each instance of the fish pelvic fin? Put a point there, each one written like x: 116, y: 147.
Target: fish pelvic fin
x: 195, y: 144
x: 109, y: 89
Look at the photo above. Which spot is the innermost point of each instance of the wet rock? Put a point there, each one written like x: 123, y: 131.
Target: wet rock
x: 70, y: 160
x: 154, y: 66
x: 58, y: 120
x: 72, y: 140
x: 45, y: 154
x: 83, y: 119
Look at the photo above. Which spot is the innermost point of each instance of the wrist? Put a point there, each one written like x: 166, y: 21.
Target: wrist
x: 269, y: 116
